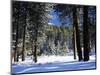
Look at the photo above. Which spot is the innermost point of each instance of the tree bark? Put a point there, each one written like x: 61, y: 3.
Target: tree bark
x: 75, y: 23
x: 86, y: 34
x: 35, y: 48
x: 23, y: 48
x: 16, y: 52
x: 24, y: 31
x: 74, y: 42
x: 35, y: 41
x: 16, y: 55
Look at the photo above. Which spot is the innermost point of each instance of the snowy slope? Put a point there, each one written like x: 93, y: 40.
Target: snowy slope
x: 52, y: 63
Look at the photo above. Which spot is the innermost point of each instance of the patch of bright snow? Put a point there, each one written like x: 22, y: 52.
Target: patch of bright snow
x: 52, y: 63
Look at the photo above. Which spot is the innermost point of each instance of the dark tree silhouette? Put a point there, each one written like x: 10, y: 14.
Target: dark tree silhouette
x: 24, y: 15
x: 86, y: 39
x: 75, y: 23
x: 74, y: 42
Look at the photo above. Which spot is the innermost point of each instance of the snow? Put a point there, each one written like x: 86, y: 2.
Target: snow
x: 52, y: 63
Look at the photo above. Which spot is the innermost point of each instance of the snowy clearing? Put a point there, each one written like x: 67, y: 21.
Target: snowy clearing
x: 52, y: 63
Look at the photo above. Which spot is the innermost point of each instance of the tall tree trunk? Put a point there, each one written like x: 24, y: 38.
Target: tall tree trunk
x: 89, y: 35
x: 75, y: 23
x: 32, y: 46
x: 35, y: 42
x: 16, y: 52
x: 24, y: 31
x: 85, y: 34
x: 74, y: 42
x: 23, y: 48
x: 35, y: 49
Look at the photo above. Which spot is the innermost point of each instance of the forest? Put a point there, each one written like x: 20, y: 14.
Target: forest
x: 46, y: 29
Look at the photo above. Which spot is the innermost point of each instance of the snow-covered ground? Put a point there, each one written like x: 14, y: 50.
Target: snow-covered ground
x: 52, y: 63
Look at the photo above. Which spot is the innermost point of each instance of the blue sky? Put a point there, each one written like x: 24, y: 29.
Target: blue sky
x: 55, y: 20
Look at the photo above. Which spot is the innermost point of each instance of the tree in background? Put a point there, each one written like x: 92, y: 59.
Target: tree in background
x: 71, y: 12
x: 38, y: 19
x: 23, y: 17
x: 15, y: 29
x: 33, y: 35
x: 92, y: 26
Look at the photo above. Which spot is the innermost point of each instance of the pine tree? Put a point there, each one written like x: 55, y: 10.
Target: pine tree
x: 38, y: 19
